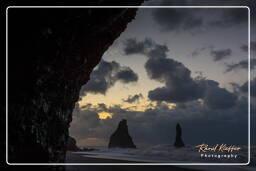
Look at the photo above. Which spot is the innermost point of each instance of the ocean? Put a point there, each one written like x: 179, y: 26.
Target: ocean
x: 166, y: 153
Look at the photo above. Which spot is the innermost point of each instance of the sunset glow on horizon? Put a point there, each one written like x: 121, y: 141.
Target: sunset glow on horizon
x: 105, y: 115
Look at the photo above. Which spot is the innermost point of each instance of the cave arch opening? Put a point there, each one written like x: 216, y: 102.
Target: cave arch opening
x: 59, y: 49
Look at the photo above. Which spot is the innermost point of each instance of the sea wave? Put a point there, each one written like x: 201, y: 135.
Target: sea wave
x: 166, y: 153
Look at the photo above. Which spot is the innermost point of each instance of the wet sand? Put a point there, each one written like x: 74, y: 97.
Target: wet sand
x: 78, y: 158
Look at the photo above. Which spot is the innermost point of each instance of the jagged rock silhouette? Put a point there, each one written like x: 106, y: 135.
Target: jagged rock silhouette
x: 59, y: 49
x: 121, y: 138
x: 178, y: 140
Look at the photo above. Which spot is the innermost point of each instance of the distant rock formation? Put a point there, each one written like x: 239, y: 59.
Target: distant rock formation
x: 71, y: 145
x: 121, y: 138
x: 178, y: 141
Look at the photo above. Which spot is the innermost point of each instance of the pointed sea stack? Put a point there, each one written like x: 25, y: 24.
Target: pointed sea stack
x: 178, y: 141
x: 121, y: 138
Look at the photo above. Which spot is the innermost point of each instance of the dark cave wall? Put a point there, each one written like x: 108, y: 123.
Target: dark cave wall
x: 51, y: 53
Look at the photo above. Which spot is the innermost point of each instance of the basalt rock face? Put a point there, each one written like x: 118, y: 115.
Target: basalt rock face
x: 51, y: 53
x: 121, y: 138
x: 178, y: 140
x: 71, y: 144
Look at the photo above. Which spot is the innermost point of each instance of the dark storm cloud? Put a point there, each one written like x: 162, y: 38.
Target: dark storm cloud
x: 101, y: 78
x: 126, y: 75
x: 106, y: 75
x: 170, y: 19
x: 213, y: 96
x: 244, y: 87
x: 145, y: 47
x: 241, y: 65
x: 134, y: 98
x: 218, y: 98
x: 132, y: 46
x: 231, y: 17
x: 173, y: 19
x: 220, y: 54
x: 253, y: 47
x: 179, y: 86
x: 159, y: 51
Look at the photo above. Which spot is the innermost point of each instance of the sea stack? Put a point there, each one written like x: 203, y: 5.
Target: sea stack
x: 178, y: 142
x: 121, y: 138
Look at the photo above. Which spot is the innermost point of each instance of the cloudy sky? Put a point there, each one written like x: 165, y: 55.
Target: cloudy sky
x: 170, y: 66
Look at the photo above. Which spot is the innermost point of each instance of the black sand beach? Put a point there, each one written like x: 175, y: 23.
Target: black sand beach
x: 77, y: 158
